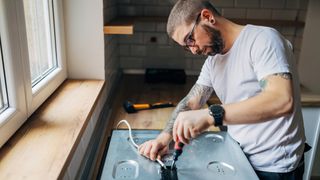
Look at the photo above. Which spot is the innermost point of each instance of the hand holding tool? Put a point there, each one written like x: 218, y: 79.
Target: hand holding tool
x: 177, y: 152
x: 132, y: 108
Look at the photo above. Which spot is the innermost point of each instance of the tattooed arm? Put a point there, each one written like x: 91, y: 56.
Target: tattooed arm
x: 275, y: 100
x: 196, y: 98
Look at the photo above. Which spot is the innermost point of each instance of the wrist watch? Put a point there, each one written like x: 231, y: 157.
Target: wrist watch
x: 217, y: 112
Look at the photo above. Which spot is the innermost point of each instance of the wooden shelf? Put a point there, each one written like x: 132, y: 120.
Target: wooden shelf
x: 125, y: 25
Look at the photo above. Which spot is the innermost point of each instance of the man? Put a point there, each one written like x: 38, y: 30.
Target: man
x: 251, y: 69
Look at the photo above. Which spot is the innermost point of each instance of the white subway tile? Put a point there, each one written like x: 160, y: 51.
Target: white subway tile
x: 124, y: 1
x: 129, y: 10
x: 131, y: 62
x: 144, y: 26
x: 293, y: 4
x: 288, y: 31
x: 234, y: 12
x: 259, y: 13
x: 136, y: 38
x: 156, y: 10
x: 138, y: 50
x: 165, y: 52
x: 189, y: 64
x: 284, y: 14
x: 273, y: 3
x: 161, y: 38
x: 222, y: 3
x: 145, y: 2
x: 247, y: 3
x: 124, y: 50
x: 304, y: 4
x: 166, y: 2
x: 162, y: 27
x: 302, y: 15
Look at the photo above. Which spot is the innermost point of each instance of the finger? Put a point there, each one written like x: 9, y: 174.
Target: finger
x: 154, y: 152
x: 146, y: 151
x: 194, y: 133
x: 174, y: 130
x: 180, y: 133
x: 186, y: 132
x: 141, y: 148
x: 162, y: 152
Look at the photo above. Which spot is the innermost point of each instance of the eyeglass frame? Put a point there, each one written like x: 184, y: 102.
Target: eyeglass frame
x: 189, y: 37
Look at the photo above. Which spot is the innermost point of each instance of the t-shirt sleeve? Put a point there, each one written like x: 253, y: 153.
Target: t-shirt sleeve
x: 270, y: 54
x: 204, y: 77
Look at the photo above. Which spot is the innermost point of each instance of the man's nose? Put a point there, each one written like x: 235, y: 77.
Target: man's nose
x: 194, y: 49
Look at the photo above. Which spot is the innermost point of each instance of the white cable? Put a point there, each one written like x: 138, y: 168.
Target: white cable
x: 130, y: 133
x: 132, y: 141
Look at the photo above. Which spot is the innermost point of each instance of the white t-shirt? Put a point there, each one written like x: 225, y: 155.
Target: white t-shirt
x: 275, y: 145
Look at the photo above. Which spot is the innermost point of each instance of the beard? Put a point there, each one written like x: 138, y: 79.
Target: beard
x: 216, y: 43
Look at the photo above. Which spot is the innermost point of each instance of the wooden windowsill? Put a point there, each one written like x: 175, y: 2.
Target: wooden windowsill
x: 43, y: 147
x: 125, y: 25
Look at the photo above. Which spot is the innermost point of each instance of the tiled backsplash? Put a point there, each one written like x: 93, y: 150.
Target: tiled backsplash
x: 111, y: 42
x: 150, y: 46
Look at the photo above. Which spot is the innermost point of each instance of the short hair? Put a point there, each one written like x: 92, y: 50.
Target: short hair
x: 186, y: 12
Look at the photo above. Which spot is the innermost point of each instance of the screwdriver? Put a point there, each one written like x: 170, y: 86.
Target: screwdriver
x: 177, y: 152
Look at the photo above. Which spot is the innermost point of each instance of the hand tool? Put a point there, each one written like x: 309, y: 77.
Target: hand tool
x: 177, y: 152
x: 132, y: 108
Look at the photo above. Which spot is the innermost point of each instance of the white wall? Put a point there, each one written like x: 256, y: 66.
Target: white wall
x: 309, y: 62
x: 84, y: 39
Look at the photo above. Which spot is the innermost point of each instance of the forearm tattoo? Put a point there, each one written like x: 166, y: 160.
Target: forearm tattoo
x: 199, y: 92
x: 286, y: 75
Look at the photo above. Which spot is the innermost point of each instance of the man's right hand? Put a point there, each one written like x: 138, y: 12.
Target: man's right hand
x: 154, y: 149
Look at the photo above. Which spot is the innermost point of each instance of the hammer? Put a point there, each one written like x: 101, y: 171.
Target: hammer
x: 132, y: 108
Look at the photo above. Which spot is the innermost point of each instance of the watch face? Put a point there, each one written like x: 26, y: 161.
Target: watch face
x: 217, y: 112
x: 216, y: 109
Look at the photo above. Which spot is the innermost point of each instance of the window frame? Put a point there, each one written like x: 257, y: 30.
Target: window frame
x: 23, y: 99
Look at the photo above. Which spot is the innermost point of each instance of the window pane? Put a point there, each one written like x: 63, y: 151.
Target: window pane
x: 40, y: 36
x: 3, y: 96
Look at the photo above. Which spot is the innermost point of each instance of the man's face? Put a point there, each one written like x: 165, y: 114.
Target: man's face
x: 200, y: 39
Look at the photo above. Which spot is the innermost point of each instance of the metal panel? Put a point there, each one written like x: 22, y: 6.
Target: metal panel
x: 211, y: 155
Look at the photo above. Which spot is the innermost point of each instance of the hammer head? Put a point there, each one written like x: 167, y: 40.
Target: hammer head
x: 128, y: 106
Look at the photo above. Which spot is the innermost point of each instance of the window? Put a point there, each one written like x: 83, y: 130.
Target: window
x: 40, y: 38
x: 32, y: 59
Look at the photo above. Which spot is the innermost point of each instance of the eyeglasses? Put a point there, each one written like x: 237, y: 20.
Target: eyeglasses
x: 189, y: 40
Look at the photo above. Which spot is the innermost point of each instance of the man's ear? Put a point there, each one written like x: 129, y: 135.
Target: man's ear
x: 208, y: 16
